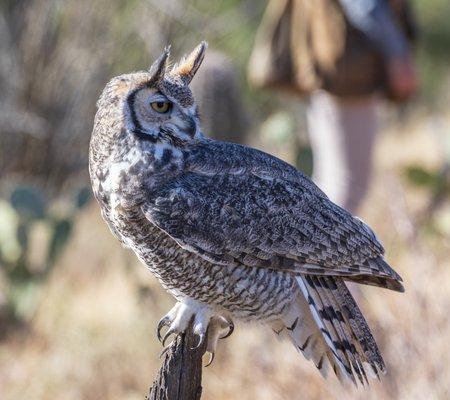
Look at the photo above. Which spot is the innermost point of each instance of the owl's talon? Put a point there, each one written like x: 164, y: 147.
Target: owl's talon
x: 230, y: 329
x: 164, y: 351
x: 166, y: 336
x: 163, y: 322
x: 201, y: 339
x: 211, y: 359
x: 167, y: 320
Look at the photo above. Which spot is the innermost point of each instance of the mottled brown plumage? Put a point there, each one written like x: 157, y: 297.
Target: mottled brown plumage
x: 229, y: 231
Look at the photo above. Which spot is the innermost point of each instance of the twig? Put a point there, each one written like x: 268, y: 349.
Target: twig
x: 180, y: 375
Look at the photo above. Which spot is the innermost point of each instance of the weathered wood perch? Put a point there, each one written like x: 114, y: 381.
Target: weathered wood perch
x: 180, y: 375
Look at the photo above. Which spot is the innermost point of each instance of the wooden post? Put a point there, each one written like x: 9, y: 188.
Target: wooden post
x: 180, y: 375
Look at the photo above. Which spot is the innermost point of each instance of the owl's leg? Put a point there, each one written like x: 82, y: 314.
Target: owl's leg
x: 207, y: 324
x: 167, y: 320
x: 219, y: 328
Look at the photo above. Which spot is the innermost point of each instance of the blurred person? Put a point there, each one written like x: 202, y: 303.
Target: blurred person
x: 344, y: 56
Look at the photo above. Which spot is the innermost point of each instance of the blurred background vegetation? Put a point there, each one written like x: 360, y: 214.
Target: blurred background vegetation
x: 77, y: 312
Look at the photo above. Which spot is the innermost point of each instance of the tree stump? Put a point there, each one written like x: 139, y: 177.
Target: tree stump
x: 180, y: 375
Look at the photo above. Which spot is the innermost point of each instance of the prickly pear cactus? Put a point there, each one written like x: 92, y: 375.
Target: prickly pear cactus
x: 33, y: 233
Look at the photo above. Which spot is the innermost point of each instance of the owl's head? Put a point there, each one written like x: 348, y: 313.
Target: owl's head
x: 155, y: 105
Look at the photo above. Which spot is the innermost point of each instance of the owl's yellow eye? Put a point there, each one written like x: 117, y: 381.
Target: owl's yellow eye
x: 161, y: 106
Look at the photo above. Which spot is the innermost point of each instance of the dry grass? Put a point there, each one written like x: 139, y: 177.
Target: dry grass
x: 93, y: 335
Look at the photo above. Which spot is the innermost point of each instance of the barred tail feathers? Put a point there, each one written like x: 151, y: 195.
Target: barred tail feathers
x: 300, y: 327
x: 334, y: 332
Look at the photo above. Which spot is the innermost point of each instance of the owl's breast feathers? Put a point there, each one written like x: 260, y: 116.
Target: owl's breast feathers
x: 131, y: 169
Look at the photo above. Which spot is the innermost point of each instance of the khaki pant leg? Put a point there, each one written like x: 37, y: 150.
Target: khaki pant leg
x: 342, y: 134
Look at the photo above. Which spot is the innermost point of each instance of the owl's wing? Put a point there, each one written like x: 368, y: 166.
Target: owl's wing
x: 263, y: 218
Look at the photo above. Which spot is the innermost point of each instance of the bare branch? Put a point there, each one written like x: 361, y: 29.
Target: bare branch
x: 180, y: 375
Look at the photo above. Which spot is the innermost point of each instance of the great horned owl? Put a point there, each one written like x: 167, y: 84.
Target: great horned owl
x: 231, y: 232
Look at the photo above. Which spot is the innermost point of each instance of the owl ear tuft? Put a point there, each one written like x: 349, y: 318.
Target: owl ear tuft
x: 158, y: 68
x: 187, y: 67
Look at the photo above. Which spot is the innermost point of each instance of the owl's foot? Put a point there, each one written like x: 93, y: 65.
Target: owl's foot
x: 207, y: 324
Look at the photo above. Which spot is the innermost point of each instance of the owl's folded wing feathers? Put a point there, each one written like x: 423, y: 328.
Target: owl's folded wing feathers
x: 267, y: 219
